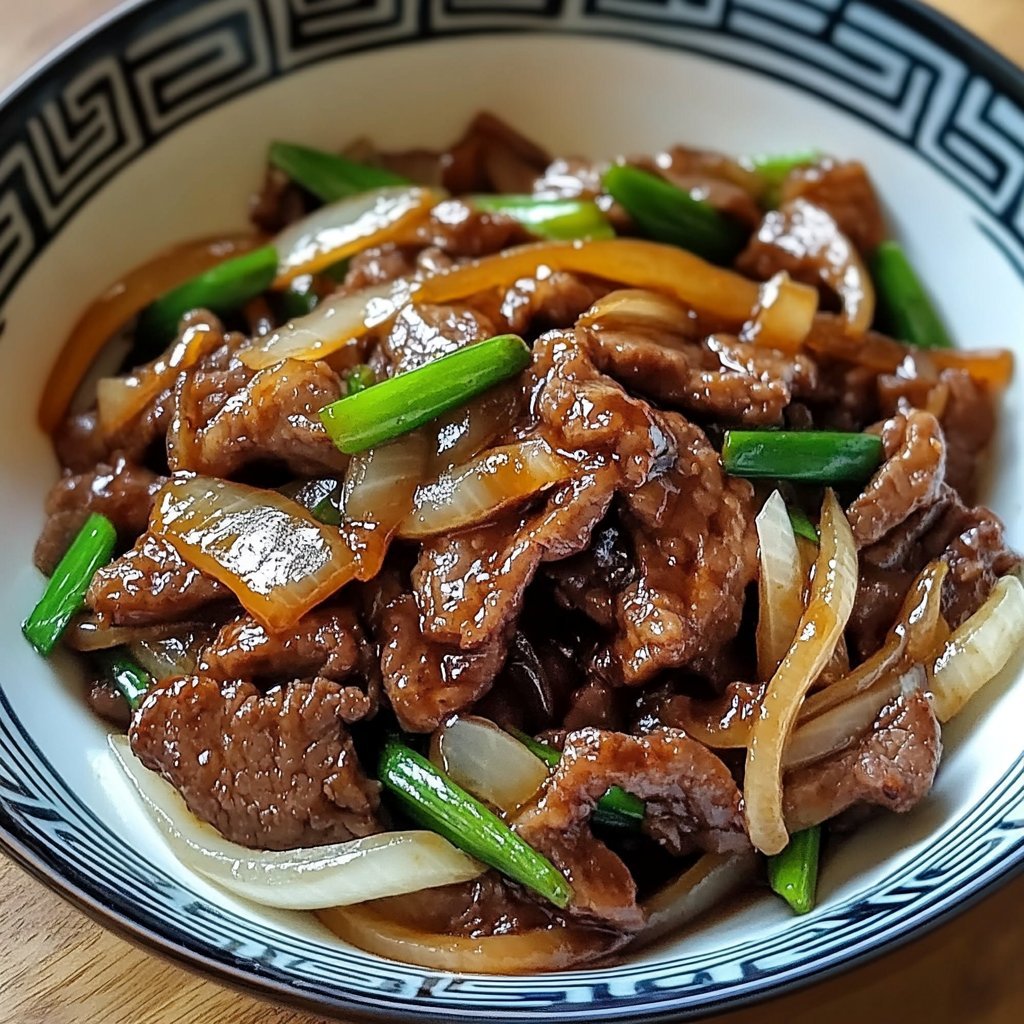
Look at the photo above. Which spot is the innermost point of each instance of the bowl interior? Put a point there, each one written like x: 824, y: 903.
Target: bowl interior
x: 576, y: 96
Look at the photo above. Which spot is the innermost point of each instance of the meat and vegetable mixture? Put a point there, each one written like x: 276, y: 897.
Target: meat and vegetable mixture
x: 508, y: 557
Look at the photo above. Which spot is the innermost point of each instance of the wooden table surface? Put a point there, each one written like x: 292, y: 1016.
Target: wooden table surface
x: 57, y: 967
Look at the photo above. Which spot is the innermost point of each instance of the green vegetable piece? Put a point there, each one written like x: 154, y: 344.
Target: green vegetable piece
x: 616, y: 808
x: 668, y: 214
x: 130, y: 679
x: 298, y: 299
x: 775, y: 167
x: 403, y: 403
x: 437, y: 803
x: 802, y: 526
x: 65, y: 593
x: 793, y: 874
x: 818, y: 456
x: 221, y: 289
x: 360, y: 378
x: 558, y: 219
x: 328, y: 176
x: 904, y: 309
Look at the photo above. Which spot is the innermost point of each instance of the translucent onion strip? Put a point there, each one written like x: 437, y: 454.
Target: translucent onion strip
x: 338, y: 230
x: 488, y: 762
x: 831, y: 600
x: 389, y: 864
x: 640, y: 264
x: 979, y: 649
x: 479, y: 489
x: 632, y: 308
x: 784, y: 314
x: 780, y: 585
x: 269, y: 551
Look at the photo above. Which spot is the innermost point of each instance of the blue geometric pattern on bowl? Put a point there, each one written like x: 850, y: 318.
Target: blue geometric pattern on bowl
x: 70, y: 128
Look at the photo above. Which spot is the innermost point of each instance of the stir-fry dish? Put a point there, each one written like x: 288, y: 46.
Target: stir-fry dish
x: 509, y: 557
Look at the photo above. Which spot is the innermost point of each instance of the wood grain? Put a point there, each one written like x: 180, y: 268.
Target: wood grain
x: 57, y: 967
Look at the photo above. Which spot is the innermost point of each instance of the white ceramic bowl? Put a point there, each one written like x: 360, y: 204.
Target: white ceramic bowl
x: 152, y: 128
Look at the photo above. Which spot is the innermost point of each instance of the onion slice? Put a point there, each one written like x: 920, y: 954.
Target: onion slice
x: 830, y: 602
x: 488, y: 762
x: 340, y: 229
x: 780, y: 586
x: 714, y: 877
x: 665, y: 269
x: 481, y: 488
x: 389, y: 864
x: 783, y: 316
x: 979, y: 649
x: 633, y: 308
x: 268, y: 550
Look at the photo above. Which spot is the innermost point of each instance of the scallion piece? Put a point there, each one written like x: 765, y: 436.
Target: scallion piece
x: 559, y: 219
x: 904, y: 309
x: 65, y: 592
x: 616, y: 808
x: 802, y: 526
x: 222, y: 289
x: 359, y: 379
x: 403, y: 403
x: 774, y: 168
x: 130, y: 679
x: 668, y: 214
x: 329, y: 176
x: 437, y: 803
x: 793, y: 874
x: 817, y: 456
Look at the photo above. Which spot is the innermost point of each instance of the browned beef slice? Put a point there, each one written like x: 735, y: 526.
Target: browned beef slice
x: 492, y: 157
x: 121, y: 491
x: 151, y: 583
x: 79, y: 442
x: 421, y: 334
x: 380, y: 264
x: 460, y: 230
x: 328, y: 642
x: 425, y: 681
x: 692, y: 800
x: 535, y: 304
x: 695, y: 551
x: 274, y: 772
x: 909, y: 479
x: 278, y: 203
x: 105, y: 700
x: 892, y: 767
x: 272, y: 415
x: 845, y: 191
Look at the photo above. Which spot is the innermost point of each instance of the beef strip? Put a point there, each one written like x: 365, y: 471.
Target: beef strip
x: 273, y: 772
x: 151, y: 583
x: 691, y: 799
x: 79, y: 442
x: 458, y: 229
x: 893, y: 767
x: 119, y: 490
x: 421, y: 334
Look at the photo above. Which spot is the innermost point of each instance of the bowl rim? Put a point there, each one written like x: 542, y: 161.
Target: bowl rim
x: 116, y: 916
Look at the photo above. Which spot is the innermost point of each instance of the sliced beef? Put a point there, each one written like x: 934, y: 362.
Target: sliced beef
x: 278, y: 203
x: 691, y: 798
x: 151, y: 583
x: 458, y: 229
x: 893, y: 767
x: 119, y: 490
x: 492, y: 157
x: 273, y: 772
x: 108, y: 703
x: 269, y: 416
x: 844, y: 190
x: 535, y: 304
x: 380, y: 264
x: 79, y: 442
x: 421, y: 334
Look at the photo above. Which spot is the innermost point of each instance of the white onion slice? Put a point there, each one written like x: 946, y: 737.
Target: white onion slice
x: 481, y: 488
x: 633, y: 308
x: 784, y: 314
x: 979, y: 649
x: 389, y: 864
x: 780, y: 586
x: 714, y: 877
x: 340, y: 229
x: 488, y: 762
x: 380, y: 483
x: 833, y: 590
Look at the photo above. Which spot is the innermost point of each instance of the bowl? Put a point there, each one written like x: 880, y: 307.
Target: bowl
x: 151, y: 127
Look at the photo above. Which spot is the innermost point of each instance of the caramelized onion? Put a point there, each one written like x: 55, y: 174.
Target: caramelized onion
x: 780, y: 586
x: 539, y: 949
x: 632, y: 308
x: 979, y: 649
x: 337, y: 323
x: 488, y: 762
x: 479, y: 489
x: 784, y: 314
x: 833, y: 590
x: 117, y: 305
x: 338, y: 230
x: 388, y: 864
x: 269, y: 551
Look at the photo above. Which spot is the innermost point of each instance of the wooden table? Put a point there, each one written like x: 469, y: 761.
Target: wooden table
x: 57, y: 967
